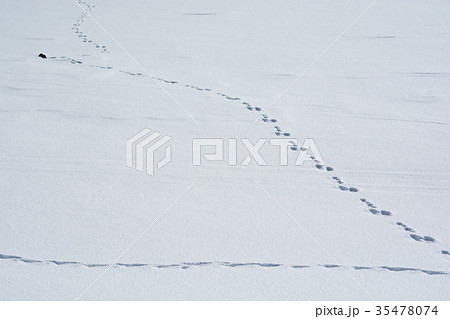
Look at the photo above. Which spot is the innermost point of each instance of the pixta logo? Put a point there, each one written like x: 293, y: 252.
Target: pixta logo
x: 141, y: 150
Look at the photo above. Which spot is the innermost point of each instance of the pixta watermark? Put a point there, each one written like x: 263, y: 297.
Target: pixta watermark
x: 141, y: 149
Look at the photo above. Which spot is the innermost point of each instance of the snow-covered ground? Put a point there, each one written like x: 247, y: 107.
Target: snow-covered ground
x: 376, y: 105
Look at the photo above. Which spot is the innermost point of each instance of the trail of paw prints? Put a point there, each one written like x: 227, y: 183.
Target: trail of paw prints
x: 130, y: 73
x: 413, y: 235
x: 101, y: 67
x: 248, y: 106
x: 277, y: 130
x: 420, y: 238
x: 265, y: 118
x: 64, y: 58
x: 226, y: 264
x: 253, y: 108
x: 371, y: 207
x: 340, y: 183
x: 77, y: 27
x: 194, y: 87
x: 374, y: 210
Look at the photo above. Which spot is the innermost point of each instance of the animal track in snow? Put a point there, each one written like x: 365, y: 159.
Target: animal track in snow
x: 416, y: 237
x: 101, y: 67
x: 338, y: 180
x: 249, y: 107
x: 63, y: 58
x: 76, y: 26
x: 428, y: 239
x: 406, y: 228
x: 187, y: 265
x: 373, y: 209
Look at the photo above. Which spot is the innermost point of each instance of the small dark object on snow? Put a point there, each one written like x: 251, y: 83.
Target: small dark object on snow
x: 42, y: 55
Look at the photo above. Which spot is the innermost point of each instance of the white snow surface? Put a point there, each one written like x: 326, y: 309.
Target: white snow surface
x: 376, y: 105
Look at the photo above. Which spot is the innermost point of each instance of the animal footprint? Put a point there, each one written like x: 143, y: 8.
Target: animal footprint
x: 350, y: 189
x: 373, y: 210
x: 369, y: 204
x: 428, y: 239
x: 406, y: 228
x: 293, y: 146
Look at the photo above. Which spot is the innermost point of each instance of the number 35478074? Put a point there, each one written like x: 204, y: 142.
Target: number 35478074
x: 406, y: 310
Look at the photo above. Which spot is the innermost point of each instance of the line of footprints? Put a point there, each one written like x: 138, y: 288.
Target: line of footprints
x: 186, y: 265
x: 103, y: 49
x: 371, y: 208
x: 76, y: 27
